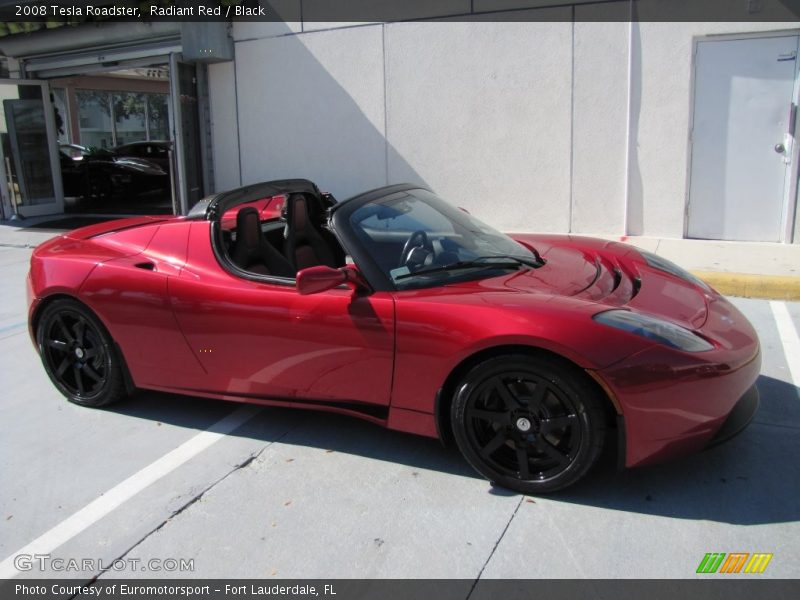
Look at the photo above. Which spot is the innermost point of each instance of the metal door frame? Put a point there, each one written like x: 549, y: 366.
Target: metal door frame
x: 180, y: 201
x: 57, y: 206
x: 790, y: 216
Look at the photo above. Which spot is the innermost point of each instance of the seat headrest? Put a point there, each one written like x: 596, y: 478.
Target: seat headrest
x: 298, y: 212
x: 248, y: 227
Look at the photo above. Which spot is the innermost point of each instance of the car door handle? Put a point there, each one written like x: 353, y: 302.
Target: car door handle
x: 147, y: 266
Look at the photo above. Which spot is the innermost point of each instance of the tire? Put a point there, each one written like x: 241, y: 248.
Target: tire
x: 534, y: 425
x: 79, y: 355
x: 99, y: 186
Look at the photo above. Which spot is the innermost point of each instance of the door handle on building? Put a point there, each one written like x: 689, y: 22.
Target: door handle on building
x: 784, y: 148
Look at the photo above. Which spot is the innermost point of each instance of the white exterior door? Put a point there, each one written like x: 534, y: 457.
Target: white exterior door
x: 742, y: 139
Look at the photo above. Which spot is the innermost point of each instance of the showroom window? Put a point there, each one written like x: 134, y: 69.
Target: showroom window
x: 109, y: 118
x: 130, y: 117
x: 158, y: 119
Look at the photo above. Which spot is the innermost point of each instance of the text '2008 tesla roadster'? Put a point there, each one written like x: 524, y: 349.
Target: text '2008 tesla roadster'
x: 529, y: 351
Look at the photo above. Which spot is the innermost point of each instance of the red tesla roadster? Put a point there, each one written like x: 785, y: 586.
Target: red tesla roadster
x: 530, y: 351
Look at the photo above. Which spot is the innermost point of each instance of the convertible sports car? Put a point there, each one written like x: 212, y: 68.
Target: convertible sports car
x: 530, y: 351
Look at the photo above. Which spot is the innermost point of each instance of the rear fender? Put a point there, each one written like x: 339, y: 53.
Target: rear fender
x: 61, y: 265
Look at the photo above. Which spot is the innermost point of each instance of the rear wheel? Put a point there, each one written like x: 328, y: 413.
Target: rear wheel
x: 79, y: 355
x: 534, y: 425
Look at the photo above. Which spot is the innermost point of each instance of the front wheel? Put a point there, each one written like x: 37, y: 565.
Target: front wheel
x: 99, y: 185
x: 79, y: 355
x: 531, y: 424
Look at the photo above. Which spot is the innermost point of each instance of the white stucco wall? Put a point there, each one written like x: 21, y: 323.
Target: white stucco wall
x: 319, y: 104
x: 311, y: 105
x: 599, y: 127
x: 533, y: 126
x: 478, y: 112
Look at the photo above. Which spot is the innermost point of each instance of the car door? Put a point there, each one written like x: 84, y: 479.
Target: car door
x: 265, y: 340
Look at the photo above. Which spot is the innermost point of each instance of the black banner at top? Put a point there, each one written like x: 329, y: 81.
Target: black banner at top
x: 24, y: 16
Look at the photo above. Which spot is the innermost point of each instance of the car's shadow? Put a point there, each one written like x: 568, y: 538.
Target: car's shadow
x: 753, y: 479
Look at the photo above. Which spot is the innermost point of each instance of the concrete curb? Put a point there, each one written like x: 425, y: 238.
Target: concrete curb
x: 746, y: 285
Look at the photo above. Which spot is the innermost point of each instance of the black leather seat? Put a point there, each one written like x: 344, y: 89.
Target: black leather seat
x: 306, y: 244
x: 252, y: 252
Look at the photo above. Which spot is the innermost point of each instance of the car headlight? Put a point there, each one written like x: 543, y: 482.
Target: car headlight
x: 662, y: 264
x: 654, y: 329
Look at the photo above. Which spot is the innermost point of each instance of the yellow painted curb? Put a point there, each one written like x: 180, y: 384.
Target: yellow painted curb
x: 746, y: 285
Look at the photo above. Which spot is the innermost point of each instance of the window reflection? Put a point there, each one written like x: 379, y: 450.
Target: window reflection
x: 112, y: 118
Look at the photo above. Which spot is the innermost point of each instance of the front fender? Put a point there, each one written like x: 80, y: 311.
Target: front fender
x: 433, y: 339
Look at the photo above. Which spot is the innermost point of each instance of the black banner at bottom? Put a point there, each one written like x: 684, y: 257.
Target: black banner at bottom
x: 732, y: 588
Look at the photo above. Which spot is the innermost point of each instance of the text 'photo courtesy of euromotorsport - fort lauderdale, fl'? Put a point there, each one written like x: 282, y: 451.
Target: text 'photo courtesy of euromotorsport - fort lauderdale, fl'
x: 65, y: 590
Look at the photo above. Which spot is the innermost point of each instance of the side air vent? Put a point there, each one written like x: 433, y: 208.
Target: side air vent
x: 617, y: 278
x: 637, y: 285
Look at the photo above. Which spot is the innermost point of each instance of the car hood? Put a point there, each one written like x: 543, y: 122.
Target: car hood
x: 602, y: 274
x: 126, y: 163
x: 138, y: 165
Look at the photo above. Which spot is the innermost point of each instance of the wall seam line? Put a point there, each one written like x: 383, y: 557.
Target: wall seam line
x: 572, y: 130
x: 628, y: 132
x: 385, y: 108
x: 236, y: 104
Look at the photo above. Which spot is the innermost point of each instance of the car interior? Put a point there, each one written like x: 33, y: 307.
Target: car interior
x: 397, y: 238
x: 282, y: 246
x: 308, y: 242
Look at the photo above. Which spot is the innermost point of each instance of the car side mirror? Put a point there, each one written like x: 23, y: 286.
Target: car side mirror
x: 319, y: 279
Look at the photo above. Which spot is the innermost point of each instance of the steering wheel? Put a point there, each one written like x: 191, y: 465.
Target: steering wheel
x: 418, y: 239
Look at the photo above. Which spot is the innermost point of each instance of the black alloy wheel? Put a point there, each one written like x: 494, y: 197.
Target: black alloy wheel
x: 534, y: 425
x: 79, y: 355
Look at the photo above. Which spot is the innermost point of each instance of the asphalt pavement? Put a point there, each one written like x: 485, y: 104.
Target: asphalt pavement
x: 212, y: 489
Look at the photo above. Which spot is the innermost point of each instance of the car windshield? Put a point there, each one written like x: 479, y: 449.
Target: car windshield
x: 418, y: 240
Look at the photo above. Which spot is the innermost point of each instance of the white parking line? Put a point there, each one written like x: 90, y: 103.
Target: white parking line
x: 97, y: 509
x: 789, y: 339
